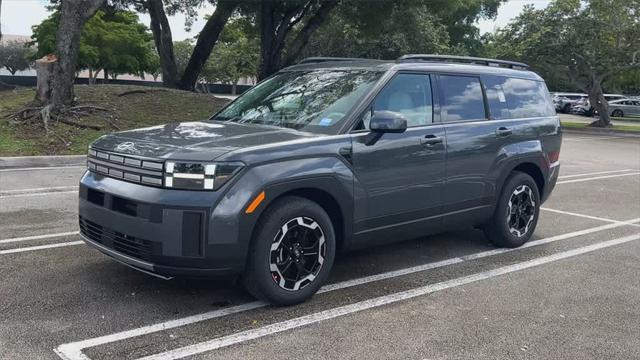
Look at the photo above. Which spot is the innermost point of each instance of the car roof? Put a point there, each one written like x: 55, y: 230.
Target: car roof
x: 404, y: 65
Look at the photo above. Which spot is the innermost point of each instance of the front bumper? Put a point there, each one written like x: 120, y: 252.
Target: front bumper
x: 164, y: 232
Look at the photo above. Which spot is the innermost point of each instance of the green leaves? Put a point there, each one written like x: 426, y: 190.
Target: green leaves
x: 115, y: 41
x: 15, y: 56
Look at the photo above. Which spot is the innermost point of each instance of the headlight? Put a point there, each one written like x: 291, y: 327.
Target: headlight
x: 198, y: 176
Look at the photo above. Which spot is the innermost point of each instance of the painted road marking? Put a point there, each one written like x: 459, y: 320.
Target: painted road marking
x: 594, y: 173
x: 37, y: 237
x: 253, y: 334
x: 40, y: 247
x: 45, y: 168
x: 39, y: 194
x: 595, y: 137
x: 38, y: 190
x: 597, y: 178
x: 73, y: 351
x: 630, y: 222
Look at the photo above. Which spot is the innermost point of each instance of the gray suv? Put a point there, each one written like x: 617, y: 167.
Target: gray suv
x: 324, y: 156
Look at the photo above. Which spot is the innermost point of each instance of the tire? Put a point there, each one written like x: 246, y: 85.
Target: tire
x: 289, y: 224
x: 617, y: 113
x: 502, y: 230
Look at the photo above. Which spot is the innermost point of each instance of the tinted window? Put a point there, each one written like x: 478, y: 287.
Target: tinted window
x: 461, y: 98
x: 511, y: 98
x: 408, y: 94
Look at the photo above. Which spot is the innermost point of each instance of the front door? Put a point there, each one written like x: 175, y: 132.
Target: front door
x: 400, y: 177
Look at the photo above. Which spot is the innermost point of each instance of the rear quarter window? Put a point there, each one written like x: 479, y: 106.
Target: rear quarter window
x: 512, y: 98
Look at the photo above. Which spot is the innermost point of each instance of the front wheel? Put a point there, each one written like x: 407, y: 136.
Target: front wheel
x: 617, y: 113
x: 291, y: 253
x: 516, y: 214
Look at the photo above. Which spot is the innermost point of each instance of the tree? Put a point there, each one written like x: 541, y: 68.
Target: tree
x: 73, y: 15
x: 158, y: 12
x: 592, y: 42
x: 14, y: 56
x: 235, y: 55
x: 382, y: 31
x: 114, y: 42
x: 278, y: 24
x: 0, y: 20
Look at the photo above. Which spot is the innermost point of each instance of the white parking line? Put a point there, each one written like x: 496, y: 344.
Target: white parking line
x: 597, y: 178
x: 595, y: 137
x: 37, y: 237
x: 594, y: 173
x: 73, y: 351
x: 40, y: 247
x: 39, y: 194
x: 34, y: 190
x: 253, y: 334
x: 630, y: 222
x: 45, y: 168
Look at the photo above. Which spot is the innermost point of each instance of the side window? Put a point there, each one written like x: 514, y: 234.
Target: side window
x: 408, y: 94
x: 461, y: 98
x: 511, y: 98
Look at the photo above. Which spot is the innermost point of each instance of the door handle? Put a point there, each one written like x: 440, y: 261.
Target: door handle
x: 503, y: 131
x: 431, y: 140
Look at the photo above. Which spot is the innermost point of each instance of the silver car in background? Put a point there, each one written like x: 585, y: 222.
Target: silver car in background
x: 624, y: 107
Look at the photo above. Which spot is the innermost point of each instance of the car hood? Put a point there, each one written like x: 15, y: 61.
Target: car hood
x: 202, y: 140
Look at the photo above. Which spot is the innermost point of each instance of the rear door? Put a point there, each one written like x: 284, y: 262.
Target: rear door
x: 400, y: 177
x: 472, y: 144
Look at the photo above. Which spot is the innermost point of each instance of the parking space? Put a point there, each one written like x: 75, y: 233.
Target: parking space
x: 572, y: 292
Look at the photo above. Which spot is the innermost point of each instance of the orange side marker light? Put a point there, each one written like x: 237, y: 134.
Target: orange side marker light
x: 255, y: 203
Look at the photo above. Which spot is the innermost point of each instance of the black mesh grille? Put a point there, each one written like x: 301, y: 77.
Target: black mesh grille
x: 126, y: 244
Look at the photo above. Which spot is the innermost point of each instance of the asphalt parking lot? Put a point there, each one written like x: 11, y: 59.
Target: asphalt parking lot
x: 573, y: 292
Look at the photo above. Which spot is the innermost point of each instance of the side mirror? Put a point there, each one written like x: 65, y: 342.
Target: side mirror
x: 387, y: 122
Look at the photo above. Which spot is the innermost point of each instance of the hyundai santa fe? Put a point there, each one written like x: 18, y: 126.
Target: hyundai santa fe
x: 327, y: 155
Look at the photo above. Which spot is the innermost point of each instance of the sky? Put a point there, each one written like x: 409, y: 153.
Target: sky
x: 18, y: 16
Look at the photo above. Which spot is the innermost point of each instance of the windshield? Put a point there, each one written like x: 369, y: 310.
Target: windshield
x: 314, y: 101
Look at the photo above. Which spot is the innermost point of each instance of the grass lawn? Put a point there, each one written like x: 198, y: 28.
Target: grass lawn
x: 156, y: 106
x: 580, y: 125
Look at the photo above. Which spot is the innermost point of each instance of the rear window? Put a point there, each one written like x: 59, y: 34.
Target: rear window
x: 511, y: 98
x: 461, y: 98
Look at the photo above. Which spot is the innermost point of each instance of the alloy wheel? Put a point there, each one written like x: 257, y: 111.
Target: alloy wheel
x: 521, y: 210
x: 297, y: 253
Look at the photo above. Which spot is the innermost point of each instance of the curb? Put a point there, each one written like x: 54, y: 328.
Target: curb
x: 41, y: 161
x: 633, y: 134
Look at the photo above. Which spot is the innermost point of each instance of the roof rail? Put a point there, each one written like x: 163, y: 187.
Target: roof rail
x: 320, y: 59
x: 463, y: 59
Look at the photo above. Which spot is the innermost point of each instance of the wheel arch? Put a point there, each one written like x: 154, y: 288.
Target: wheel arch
x: 532, y: 169
x: 324, y: 191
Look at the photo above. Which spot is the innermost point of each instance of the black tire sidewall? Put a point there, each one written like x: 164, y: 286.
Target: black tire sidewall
x: 258, y: 276
x: 501, y: 236
x: 617, y: 113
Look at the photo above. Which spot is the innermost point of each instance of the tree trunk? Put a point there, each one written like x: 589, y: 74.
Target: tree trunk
x: 0, y: 20
x: 73, y: 15
x: 164, y: 42
x: 106, y: 76
x: 599, y: 103
x: 206, y: 41
x: 267, y: 28
x: 302, y: 39
x: 44, y: 71
x: 234, y: 87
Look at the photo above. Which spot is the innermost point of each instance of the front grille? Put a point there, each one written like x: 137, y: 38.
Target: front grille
x: 126, y: 244
x: 124, y: 167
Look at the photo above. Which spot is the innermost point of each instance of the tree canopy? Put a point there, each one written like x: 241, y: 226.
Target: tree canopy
x: 15, y: 56
x: 115, y: 42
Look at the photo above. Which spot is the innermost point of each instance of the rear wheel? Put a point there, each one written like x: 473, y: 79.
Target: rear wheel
x: 292, y: 252
x: 516, y: 214
x: 617, y: 113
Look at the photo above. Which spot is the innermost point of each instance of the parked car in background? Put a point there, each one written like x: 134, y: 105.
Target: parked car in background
x: 583, y: 106
x: 624, y: 107
x: 564, y: 101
